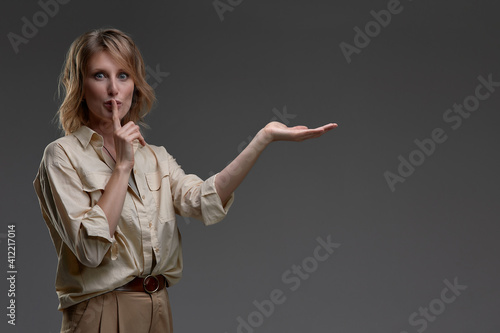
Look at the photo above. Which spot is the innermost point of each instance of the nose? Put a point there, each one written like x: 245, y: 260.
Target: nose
x: 112, y: 87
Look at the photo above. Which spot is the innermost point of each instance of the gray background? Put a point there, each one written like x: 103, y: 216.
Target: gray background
x: 226, y: 77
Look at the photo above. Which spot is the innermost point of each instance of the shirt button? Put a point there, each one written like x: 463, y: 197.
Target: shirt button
x: 143, y: 196
x: 135, y: 171
x: 150, y: 224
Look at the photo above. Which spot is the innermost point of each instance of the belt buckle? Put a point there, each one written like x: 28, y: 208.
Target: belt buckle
x: 144, y: 283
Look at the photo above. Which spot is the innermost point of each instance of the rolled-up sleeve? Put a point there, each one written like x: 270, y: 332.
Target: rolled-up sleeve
x: 81, y: 224
x: 194, y: 197
x: 211, y: 204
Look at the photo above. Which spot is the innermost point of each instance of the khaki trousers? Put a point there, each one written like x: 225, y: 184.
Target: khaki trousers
x: 120, y: 311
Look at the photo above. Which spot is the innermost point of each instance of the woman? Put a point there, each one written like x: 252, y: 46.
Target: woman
x: 109, y: 199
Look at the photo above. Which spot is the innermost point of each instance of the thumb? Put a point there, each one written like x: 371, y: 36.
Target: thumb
x: 116, y: 118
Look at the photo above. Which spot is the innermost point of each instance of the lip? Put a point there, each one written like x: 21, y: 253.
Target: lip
x: 109, y: 104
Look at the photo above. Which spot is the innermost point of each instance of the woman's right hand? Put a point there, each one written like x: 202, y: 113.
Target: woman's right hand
x: 124, y: 136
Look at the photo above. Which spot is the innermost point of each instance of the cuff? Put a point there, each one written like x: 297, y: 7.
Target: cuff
x: 96, y: 224
x: 212, y: 210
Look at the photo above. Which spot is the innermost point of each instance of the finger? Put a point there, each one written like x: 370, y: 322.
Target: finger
x: 325, y: 128
x: 330, y: 126
x: 135, y: 134
x: 132, y: 132
x: 139, y: 137
x: 129, y: 127
x: 116, y: 117
x: 320, y: 129
x: 141, y: 140
x: 313, y: 133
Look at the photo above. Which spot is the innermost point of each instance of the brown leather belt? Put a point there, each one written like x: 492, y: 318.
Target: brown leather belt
x: 149, y: 284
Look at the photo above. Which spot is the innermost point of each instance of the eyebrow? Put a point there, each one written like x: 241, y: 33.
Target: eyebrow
x: 103, y: 70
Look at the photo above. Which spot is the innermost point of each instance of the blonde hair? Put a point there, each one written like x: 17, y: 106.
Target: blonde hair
x: 73, y: 112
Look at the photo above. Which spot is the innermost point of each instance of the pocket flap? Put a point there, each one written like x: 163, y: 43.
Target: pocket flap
x: 154, y: 178
x: 154, y: 181
x: 95, y: 181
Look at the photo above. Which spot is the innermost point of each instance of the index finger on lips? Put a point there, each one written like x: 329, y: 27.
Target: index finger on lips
x: 116, y: 117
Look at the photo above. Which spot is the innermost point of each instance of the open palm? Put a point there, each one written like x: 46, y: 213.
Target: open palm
x: 277, y: 131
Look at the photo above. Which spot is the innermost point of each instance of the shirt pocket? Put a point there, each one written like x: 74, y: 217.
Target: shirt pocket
x: 159, y: 186
x: 94, y: 184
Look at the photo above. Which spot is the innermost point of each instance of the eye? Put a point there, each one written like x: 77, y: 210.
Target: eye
x: 123, y: 76
x: 99, y: 76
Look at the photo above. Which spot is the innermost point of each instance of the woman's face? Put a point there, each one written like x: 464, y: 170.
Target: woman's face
x: 105, y: 81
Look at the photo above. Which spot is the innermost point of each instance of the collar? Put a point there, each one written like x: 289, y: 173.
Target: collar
x: 85, y: 135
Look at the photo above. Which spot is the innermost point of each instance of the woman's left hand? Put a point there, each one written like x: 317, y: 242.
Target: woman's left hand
x: 276, y: 131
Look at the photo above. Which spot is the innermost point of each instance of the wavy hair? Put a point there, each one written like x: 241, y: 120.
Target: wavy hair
x: 73, y: 112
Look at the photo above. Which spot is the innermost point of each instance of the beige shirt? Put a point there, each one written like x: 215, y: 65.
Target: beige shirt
x: 72, y: 176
